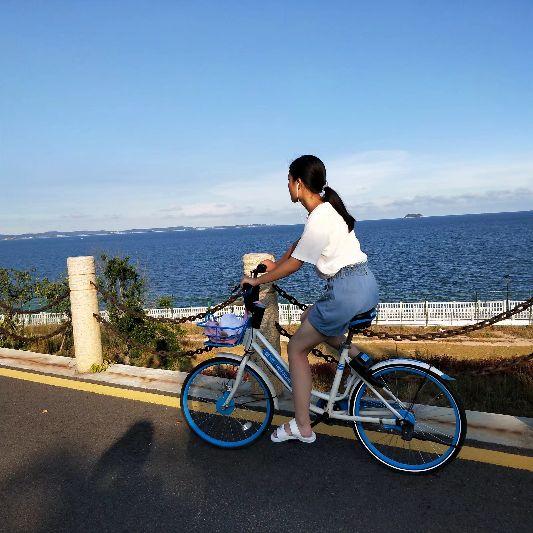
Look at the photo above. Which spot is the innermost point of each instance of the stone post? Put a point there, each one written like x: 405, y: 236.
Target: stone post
x: 269, y: 297
x: 84, y: 302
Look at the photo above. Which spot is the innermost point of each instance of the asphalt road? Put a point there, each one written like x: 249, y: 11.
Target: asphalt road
x: 76, y: 461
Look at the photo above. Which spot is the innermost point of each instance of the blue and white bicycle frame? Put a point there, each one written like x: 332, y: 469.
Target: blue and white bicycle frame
x: 256, y: 343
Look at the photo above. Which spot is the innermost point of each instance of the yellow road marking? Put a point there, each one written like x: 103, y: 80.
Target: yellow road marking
x: 95, y: 388
x: 467, y: 452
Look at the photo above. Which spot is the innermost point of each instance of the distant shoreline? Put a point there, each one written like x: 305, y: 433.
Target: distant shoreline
x: 102, y: 232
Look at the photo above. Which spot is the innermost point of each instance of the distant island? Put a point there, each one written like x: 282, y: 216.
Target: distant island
x: 89, y: 233
x: 66, y: 234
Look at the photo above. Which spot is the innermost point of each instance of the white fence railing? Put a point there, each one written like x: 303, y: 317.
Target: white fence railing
x: 396, y: 313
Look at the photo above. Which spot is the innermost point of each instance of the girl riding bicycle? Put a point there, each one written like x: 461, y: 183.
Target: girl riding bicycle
x: 329, y: 243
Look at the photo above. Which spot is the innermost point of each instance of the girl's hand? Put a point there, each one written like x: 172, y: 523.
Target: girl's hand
x: 251, y: 281
x: 271, y: 265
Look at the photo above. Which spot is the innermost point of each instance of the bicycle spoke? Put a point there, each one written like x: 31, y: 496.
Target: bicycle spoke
x: 417, y: 393
x: 431, y: 437
x: 434, y: 429
x: 432, y: 445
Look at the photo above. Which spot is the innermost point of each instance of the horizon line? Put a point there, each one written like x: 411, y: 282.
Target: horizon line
x: 188, y: 228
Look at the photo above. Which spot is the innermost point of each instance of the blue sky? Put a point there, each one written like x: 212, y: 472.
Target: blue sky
x: 117, y: 115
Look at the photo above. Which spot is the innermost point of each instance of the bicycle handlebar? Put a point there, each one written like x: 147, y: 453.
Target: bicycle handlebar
x: 251, y: 294
x: 259, y: 269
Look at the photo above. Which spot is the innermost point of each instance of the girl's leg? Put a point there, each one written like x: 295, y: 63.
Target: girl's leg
x: 334, y: 342
x: 301, y: 343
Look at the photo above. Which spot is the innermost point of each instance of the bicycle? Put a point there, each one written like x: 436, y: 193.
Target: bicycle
x: 403, y: 410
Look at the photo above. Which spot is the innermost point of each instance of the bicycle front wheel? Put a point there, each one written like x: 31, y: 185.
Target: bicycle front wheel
x: 243, y: 420
x: 432, y: 427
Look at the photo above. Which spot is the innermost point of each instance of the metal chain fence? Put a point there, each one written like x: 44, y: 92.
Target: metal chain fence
x: 503, y: 366
x: 111, y: 299
x: 113, y: 329
x: 15, y: 311
x: 32, y: 338
x: 429, y: 335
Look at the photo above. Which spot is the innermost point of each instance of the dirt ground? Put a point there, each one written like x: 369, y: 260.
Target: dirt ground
x: 495, y: 341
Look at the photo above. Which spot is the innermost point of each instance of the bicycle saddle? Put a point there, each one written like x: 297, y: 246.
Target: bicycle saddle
x: 363, y: 320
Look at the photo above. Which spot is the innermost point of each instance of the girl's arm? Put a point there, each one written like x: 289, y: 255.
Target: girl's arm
x: 288, y: 253
x: 271, y: 265
x: 280, y: 270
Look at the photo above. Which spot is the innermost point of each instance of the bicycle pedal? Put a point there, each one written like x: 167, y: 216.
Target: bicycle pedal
x: 341, y: 405
x: 321, y: 418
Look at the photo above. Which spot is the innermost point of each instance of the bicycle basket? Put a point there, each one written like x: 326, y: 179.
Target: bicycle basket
x: 222, y: 334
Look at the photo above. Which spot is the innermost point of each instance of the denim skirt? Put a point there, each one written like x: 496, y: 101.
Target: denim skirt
x: 352, y: 290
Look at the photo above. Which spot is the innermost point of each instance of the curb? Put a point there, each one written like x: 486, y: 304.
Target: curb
x: 505, y: 430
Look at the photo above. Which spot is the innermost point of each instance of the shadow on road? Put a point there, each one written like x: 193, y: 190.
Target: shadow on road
x: 123, y: 462
x: 170, y: 480
x: 58, y: 494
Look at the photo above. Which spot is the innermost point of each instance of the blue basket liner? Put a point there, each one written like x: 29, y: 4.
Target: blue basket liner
x: 218, y: 335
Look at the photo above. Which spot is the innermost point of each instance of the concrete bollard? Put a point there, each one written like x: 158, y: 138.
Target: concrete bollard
x: 84, y: 302
x: 269, y: 297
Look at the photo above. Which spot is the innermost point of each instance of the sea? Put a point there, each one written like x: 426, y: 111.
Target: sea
x: 438, y: 258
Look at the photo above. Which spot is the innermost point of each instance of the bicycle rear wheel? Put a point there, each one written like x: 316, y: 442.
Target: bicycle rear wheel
x: 434, y: 425
x: 245, y: 418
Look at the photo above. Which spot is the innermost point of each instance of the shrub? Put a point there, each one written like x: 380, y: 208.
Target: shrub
x: 121, y: 278
x: 165, y: 302
x: 21, y: 289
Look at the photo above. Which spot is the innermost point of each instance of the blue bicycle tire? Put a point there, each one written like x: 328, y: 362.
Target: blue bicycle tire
x: 383, y: 449
x: 222, y: 419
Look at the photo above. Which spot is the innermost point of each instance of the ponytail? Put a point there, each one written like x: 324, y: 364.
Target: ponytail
x: 335, y: 200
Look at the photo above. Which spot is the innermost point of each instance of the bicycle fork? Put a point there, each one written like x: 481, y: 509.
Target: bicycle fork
x: 237, y: 382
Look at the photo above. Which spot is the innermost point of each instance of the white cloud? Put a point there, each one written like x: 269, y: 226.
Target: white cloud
x: 373, y: 184
x: 211, y: 209
x: 381, y: 184
x: 485, y: 201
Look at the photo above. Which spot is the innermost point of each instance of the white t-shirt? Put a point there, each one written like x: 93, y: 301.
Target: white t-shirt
x: 327, y: 243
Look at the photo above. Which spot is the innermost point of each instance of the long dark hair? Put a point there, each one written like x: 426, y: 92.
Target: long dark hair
x: 312, y: 172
